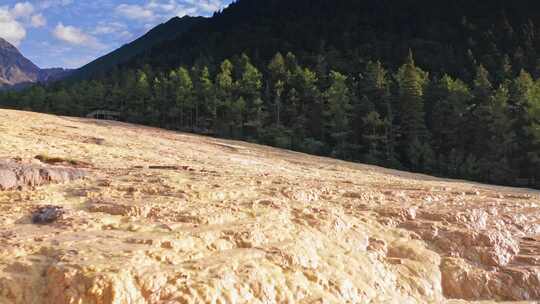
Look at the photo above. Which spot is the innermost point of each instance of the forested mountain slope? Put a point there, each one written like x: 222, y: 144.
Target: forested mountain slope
x: 448, y: 88
x: 446, y: 36
x: 163, y: 32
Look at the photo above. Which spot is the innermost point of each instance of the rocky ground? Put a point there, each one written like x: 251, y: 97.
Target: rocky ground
x: 160, y: 217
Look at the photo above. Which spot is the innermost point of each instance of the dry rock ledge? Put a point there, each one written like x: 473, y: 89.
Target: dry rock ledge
x: 18, y: 174
x: 165, y: 217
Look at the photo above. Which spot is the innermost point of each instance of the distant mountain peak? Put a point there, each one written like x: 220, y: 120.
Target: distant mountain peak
x: 17, y: 70
x: 6, y: 46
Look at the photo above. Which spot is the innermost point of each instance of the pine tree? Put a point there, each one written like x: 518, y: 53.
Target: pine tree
x: 206, y: 102
x: 375, y: 87
x: 159, y: 101
x: 533, y: 153
x: 308, y: 122
x: 277, y: 69
x: 337, y: 112
x: 414, y: 141
x: 62, y: 100
x: 224, y: 94
x: 375, y: 137
x: 411, y: 92
x: 450, y: 99
x: 238, y: 109
x: 524, y: 100
x: 481, y: 113
x: 249, y: 89
x: 184, y: 93
x: 142, y: 95
x: 504, y: 139
x: 278, y: 78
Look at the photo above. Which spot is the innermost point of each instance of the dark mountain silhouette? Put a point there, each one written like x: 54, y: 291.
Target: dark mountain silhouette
x: 349, y: 32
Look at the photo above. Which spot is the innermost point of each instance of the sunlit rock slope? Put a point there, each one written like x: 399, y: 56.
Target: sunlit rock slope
x: 165, y: 217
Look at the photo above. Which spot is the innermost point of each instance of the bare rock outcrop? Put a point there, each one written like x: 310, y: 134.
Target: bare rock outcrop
x: 47, y: 214
x: 16, y: 174
x: 174, y: 218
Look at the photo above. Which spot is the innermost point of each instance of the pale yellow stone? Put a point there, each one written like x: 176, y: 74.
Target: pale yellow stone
x: 220, y: 221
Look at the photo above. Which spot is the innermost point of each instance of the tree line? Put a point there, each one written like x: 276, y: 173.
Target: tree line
x: 485, y: 129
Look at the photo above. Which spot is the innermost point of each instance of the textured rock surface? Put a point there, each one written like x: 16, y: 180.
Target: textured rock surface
x: 16, y: 174
x: 165, y: 217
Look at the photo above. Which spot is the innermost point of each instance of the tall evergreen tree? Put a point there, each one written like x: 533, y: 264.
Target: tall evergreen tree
x: 183, y: 94
x: 523, y: 101
x: 414, y: 141
x: 277, y: 78
x: 481, y: 112
x: 412, y: 81
x: 205, y: 98
x: 224, y: 94
x: 249, y: 90
x: 375, y: 87
x: 337, y: 112
x: 142, y: 96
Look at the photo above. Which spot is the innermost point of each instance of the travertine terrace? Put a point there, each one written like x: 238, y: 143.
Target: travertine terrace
x: 165, y: 217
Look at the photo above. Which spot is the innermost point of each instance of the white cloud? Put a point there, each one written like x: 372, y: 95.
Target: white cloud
x: 10, y: 29
x: 116, y: 29
x: 51, y: 3
x: 38, y: 20
x: 206, y: 6
x: 15, y: 20
x: 186, y: 11
x: 167, y: 7
x: 104, y: 30
x: 76, y: 36
x: 161, y: 10
x: 22, y: 9
x: 135, y: 12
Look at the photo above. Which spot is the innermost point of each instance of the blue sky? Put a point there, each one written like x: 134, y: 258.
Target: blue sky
x: 71, y: 33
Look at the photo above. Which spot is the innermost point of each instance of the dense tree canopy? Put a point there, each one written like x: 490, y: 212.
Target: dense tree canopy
x: 404, y: 119
x: 454, y: 91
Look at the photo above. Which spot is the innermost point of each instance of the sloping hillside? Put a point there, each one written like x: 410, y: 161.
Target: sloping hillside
x: 14, y: 67
x: 17, y: 70
x: 447, y: 88
x: 165, y: 217
x: 163, y: 32
x: 446, y: 37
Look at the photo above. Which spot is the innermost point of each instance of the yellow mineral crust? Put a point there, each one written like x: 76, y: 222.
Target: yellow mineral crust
x: 165, y: 217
